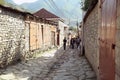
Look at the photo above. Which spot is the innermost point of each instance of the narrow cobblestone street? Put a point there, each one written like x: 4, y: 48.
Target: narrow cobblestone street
x: 52, y: 65
x: 71, y: 67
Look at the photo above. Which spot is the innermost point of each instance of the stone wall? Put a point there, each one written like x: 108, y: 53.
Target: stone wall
x: 12, y: 38
x: 91, y: 38
x: 117, y: 52
x: 19, y: 32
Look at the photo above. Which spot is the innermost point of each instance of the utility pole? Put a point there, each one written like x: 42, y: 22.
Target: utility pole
x: 82, y: 28
x: 77, y: 27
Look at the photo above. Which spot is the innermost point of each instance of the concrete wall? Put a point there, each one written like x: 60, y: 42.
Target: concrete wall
x: 12, y: 36
x: 91, y: 45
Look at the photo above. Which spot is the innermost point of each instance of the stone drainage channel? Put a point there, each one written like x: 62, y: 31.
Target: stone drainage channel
x: 52, y: 65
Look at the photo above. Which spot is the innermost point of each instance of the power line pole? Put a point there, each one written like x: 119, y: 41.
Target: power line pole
x: 82, y: 28
x: 77, y: 26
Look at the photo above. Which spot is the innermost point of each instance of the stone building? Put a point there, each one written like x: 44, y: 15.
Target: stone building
x: 22, y: 34
x: 12, y: 35
x: 101, y: 38
x: 42, y: 33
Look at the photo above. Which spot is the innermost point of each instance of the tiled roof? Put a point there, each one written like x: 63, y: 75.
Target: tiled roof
x: 43, y: 13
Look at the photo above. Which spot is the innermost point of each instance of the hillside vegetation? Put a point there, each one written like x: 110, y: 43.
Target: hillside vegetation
x: 13, y: 6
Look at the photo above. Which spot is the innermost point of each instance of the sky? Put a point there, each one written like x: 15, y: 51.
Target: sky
x: 19, y: 2
x: 66, y: 9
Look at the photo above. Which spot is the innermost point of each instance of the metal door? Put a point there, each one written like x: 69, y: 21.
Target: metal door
x: 107, y: 40
x: 117, y: 41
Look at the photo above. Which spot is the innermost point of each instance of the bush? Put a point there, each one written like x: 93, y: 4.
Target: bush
x: 86, y: 5
x: 2, y: 2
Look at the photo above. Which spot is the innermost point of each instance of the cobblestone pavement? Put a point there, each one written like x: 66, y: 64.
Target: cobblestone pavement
x: 71, y: 67
x: 51, y: 66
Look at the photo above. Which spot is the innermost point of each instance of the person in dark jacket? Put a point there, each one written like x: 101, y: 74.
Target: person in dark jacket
x: 78, y: 40
x: 72, y: 41
x: 64, y: 43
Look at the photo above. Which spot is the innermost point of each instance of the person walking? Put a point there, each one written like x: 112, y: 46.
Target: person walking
x: 64, y: 43
x: 72, y: 41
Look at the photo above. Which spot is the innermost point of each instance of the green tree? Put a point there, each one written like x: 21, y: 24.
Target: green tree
x: 73, y: 28
x: 86, y: 5
x: 2, y: 2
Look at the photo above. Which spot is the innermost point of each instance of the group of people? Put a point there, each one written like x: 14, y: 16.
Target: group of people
x: 73, y: 42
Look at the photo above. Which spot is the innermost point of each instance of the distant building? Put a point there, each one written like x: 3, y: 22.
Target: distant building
x: 62, y: 28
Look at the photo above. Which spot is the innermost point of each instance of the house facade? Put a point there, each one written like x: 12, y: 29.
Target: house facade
x: 12, y: 37
x: 42, y: 33
x: 22, y: 34
x: 61, y: 28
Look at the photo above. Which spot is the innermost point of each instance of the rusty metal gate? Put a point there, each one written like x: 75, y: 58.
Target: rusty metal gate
x: 117, y: 42
x: 107, y: 40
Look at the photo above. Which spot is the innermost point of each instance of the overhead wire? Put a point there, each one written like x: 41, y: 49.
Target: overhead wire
x: 56, y: 7
x: 50, y: 6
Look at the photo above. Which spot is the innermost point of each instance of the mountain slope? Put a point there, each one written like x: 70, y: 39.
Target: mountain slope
x: 67, y: 9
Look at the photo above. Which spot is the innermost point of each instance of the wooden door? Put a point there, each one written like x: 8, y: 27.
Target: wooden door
x: 58, y: 39
x: 38, y: 36
x: 33, y: 36
x: 53, y: 38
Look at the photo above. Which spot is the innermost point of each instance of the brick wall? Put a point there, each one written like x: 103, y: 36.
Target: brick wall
x: 12, y: 37
x: 91, y: 38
